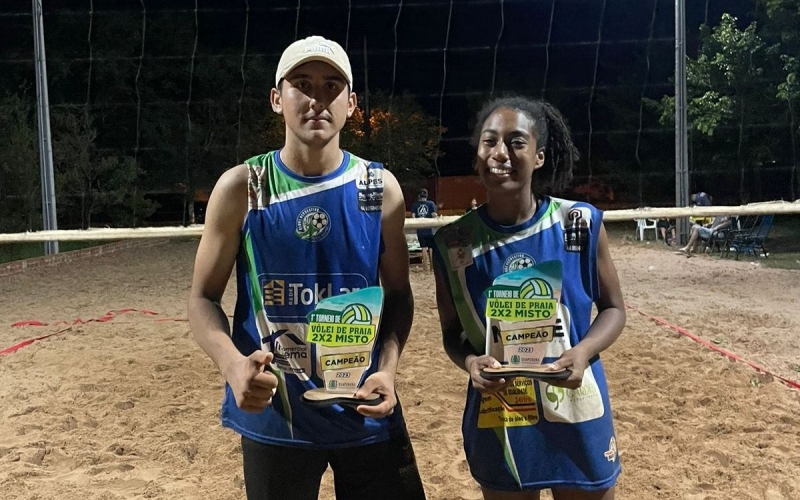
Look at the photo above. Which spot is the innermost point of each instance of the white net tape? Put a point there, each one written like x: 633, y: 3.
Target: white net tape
x: 772, y: 207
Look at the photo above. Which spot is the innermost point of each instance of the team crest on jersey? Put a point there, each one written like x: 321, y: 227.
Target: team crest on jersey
x: 312, y: 224
x: 518, y: 261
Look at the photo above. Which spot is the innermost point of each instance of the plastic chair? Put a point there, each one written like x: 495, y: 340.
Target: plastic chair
x: 644, y: 224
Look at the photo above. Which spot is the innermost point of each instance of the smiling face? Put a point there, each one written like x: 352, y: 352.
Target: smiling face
x: 508, y: 153
x: 315, y: 102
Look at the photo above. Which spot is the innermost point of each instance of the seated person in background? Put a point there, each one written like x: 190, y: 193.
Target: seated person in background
x: 704, y: 232
x: 701, y: 199
x: 472, y: 206
x: 666, y: 226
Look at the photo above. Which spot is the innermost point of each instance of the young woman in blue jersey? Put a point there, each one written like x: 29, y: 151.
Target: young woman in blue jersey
x: 301, y: 224
x: 559, y: 435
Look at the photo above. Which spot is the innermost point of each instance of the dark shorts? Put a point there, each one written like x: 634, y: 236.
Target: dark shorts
x: 386, y: 471
x: 425, y: 241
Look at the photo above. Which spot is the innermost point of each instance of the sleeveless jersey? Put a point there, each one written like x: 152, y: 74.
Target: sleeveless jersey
x: 304, y: 239
x: 533, y: 435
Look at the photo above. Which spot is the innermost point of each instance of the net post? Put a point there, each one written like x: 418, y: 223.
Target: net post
x: 681, y: 151
x: 49, y: 218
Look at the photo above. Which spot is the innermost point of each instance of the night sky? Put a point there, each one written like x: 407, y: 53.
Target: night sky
x: 571, y: 69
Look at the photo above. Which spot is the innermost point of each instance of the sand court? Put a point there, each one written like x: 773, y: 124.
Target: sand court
x: 129, y: 408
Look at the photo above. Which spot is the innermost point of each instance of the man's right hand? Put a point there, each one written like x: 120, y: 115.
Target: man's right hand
x: 252, y: 387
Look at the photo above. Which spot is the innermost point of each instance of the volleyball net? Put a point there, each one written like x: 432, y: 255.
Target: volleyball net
x: 182, y: 87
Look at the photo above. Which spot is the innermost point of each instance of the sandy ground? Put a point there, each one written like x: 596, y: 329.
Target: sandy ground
x: 130, y: 408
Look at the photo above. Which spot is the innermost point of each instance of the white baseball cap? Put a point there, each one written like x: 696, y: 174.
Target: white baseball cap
x: 314, y: 48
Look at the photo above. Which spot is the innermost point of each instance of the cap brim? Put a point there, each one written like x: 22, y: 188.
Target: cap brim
x: 312, y: 58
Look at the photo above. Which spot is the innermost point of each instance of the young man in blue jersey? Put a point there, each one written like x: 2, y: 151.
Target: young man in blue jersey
x: 301, y: 224
x: 524, y: 435
x: 424, y: 208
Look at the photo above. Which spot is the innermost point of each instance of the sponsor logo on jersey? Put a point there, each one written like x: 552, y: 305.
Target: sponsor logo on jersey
x: 576, y: 231
x: 370, y: 190
x: 290, y: 290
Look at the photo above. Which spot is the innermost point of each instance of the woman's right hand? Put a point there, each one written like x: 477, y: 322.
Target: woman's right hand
x: 475, y: 364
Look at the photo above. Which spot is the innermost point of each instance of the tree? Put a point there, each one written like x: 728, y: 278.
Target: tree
x: 789, y: 91
x: 120, y: 202
x: 726, y: 93
x: 200, y: 141
x: 401, y: 135
x: 96, y: 184
x: 20, y: 199
x: 782, y: 28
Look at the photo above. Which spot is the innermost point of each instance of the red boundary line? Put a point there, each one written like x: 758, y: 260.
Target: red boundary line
x: 706, y: 343
x: 110, y: 315
x: 16, y: 347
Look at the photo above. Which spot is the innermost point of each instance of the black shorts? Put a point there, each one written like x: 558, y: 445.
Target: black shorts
x: 386, y: 471
x: 425, y: 241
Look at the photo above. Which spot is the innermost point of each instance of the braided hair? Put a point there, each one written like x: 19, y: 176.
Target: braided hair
x: 552, y: 135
